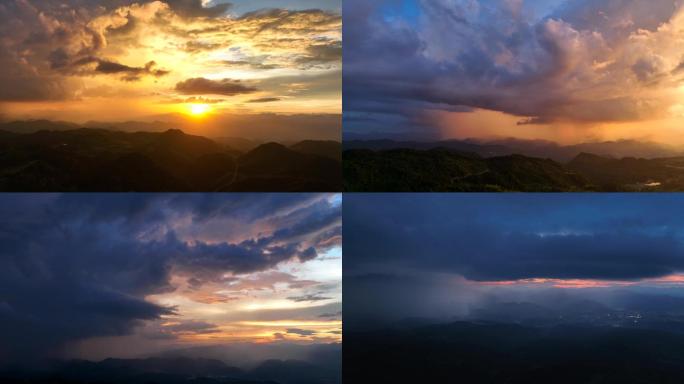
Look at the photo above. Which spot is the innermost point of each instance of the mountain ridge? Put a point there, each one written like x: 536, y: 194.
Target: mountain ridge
x: 76, y: 159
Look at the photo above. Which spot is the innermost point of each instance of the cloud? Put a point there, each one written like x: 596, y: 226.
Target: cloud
x: 248, y: 63
x: 322, y: 53
x: 267, y: 281
x: 308, y: 298
x: 276, y: 20
x: 587, y: 62
x: 483, y: 240
x: 128, y: 248
x: 196, y: 327
x: 198, y: 46
x: 265, y: 100
x: 202, y: 86
x: 330, y: 315
x: 50, y: 51
x: 194, y: 8
x: 196, y: 100
x: 95, y: 65
x: 301, y: 332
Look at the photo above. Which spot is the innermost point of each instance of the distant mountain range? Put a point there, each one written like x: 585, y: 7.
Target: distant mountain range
x: 530, y: 148
x: 480, y: 352
x: 178, y: 370
x: 512, y: 165
x: 85, y: 159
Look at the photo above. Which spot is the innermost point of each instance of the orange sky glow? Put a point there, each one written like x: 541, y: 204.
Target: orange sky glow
x: 149, y: 61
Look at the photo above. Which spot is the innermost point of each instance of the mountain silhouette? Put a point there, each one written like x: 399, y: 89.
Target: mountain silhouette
x: 102, y: 160
x: 329, y: 149
x: 174, y: 370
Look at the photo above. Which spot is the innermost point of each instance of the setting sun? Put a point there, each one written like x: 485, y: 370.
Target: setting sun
x: 199, y: 109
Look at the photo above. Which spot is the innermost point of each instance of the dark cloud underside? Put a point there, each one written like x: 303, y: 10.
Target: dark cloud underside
x: 585, y: 62
x: 498, y: 239
x: 80, y: 265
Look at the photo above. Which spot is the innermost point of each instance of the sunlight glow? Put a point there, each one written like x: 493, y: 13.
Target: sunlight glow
x: 199, y: 109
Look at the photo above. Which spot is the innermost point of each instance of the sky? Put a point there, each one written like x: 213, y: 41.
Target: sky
x: 193, y: 61
x: 446, y: 256
x: 124, y: 275
x: 563, y: 70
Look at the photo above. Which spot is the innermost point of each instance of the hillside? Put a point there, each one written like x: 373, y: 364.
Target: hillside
x: 103, y: 160
x: 631, y: 174
x: 442, y: 170
x: 329, y: 149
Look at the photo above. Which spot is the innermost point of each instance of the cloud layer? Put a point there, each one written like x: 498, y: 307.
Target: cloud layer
x: 435, y: 258
x: 494, y: 239
x: 81, y: 266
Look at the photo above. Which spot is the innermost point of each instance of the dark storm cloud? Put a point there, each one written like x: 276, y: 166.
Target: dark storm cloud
x: 515, y: 237
x: 202, y: 86
x: 588, y: 61
x: 76, y: 266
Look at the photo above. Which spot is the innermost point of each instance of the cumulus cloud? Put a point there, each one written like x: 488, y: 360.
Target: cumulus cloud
x: 585, y: 62
x: 40, y: 40
x: 49, y: 51
x: 98, y: 256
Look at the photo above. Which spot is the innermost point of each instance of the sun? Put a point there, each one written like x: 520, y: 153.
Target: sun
x: 199, y: 109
